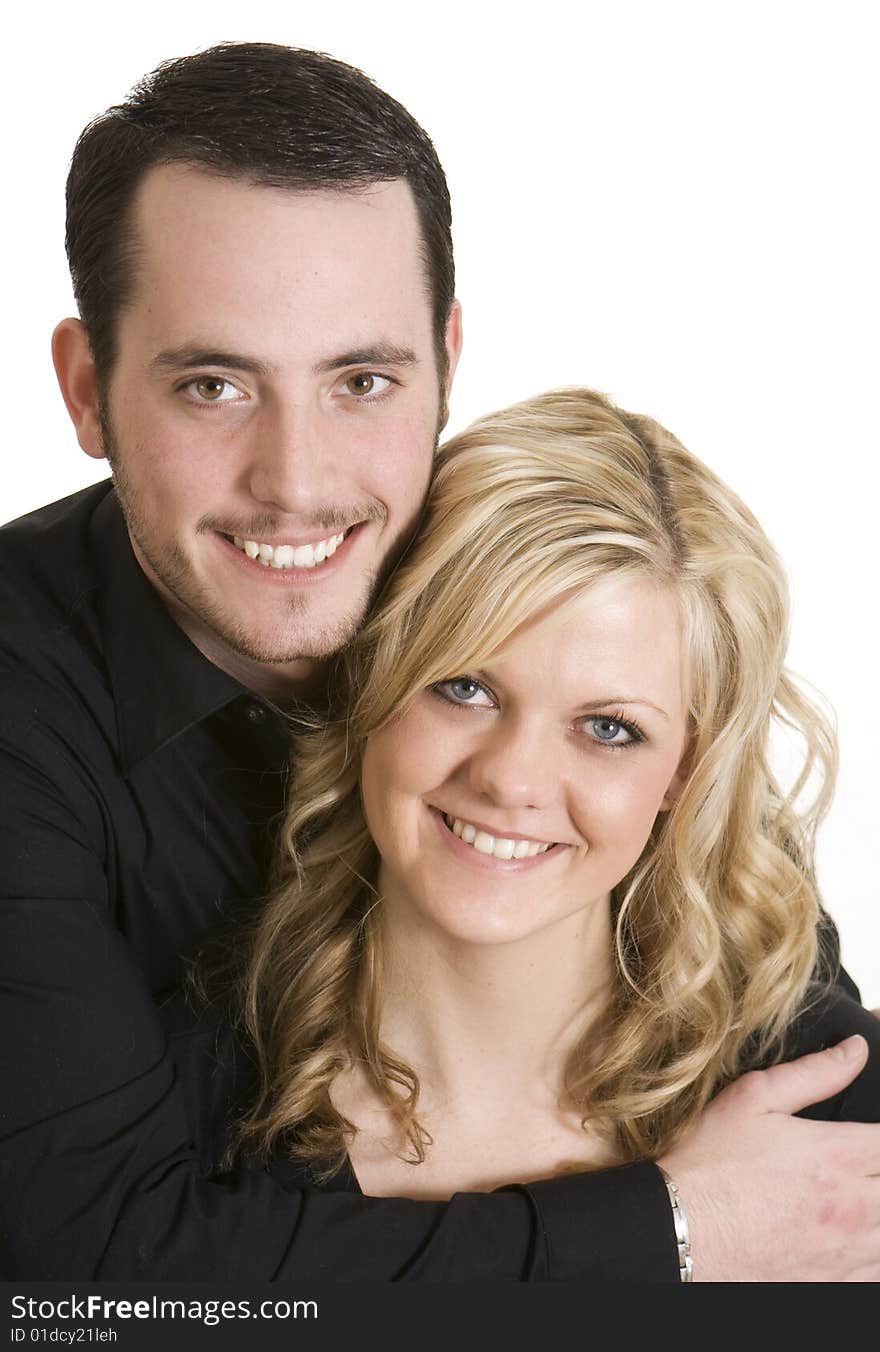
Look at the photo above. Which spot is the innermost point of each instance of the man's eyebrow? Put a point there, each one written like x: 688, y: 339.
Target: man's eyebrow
x: 189, y: 358
x: 379, y: 354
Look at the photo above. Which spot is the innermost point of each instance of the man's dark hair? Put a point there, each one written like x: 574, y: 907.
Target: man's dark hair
x: 274, y: 116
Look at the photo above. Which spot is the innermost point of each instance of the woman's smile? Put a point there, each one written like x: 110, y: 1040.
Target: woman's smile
x: 474, y: 844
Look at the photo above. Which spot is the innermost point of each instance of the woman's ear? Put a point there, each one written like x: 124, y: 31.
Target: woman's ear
x: 75, y: 370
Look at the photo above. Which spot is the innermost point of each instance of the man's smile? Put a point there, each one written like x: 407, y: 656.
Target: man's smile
x: 285, y: 561
x: 288, y: 555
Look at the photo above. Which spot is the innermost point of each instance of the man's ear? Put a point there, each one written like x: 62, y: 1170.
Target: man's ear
x: 453, y: 343
x: 75, y: 370
x: 454, y: 338
x: 680, y: 778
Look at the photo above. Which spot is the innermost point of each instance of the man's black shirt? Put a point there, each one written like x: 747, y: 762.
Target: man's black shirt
x: 138, y: 789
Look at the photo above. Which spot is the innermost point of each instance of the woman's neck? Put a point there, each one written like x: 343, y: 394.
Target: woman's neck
x: 488, y: 1023
x: 488, y: 1029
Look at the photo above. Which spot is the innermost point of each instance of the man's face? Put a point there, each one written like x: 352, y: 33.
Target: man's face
x: 273, y: 412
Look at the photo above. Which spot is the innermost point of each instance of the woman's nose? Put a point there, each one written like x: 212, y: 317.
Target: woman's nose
x: 514, y: 767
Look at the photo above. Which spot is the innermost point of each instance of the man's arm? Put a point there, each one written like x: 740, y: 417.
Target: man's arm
x: 807, y: 1192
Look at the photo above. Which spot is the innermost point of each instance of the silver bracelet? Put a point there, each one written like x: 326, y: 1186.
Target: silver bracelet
x: 682, y: 1231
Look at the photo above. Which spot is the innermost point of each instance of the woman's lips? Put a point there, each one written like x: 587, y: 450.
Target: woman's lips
x: 483, y: 859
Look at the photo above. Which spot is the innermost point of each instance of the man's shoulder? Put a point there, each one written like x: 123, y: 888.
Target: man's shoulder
x: 50, y: 577
x: 54, y: 513
x: 46, y: 562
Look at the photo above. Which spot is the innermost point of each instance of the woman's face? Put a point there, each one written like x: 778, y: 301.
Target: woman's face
x: 511, y: 798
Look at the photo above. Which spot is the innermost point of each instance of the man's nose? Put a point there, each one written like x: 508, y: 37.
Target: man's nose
x: 513, y: 767
x: 288, y: 466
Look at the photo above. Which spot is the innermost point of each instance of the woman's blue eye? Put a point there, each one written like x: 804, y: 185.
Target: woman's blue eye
x: 608, y: 730
x: 463, y: 688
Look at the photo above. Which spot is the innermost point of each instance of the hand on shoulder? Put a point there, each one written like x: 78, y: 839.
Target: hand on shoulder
x: 771, y: 1197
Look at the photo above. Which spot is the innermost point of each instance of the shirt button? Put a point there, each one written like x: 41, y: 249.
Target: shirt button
x: 255, y: 713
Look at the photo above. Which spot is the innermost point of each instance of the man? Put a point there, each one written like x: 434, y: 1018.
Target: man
x: 261, y: 253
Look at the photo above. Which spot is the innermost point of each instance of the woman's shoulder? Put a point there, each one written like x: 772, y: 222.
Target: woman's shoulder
x: 828, y: 1016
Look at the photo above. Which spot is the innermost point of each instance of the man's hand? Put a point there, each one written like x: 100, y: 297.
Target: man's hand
x: 775, y: 1198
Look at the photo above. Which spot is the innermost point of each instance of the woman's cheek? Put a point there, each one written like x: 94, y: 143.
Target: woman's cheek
x: 394, y: 776
x: 617, y: 810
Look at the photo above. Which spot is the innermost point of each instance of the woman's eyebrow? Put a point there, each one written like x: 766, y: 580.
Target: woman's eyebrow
x: 622, y: 699
x: 484, y: 675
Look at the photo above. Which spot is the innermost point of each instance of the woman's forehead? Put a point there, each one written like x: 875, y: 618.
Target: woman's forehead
x: 621, y: 636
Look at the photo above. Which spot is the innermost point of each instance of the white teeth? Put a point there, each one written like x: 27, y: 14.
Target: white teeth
x: 501, y: 847
x: 290, y: 556
x: 484, y: 843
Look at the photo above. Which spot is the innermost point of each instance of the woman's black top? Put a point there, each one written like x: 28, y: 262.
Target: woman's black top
x: 217, y: 1077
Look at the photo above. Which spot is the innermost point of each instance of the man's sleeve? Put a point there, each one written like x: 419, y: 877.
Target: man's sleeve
x: 99, y: 1179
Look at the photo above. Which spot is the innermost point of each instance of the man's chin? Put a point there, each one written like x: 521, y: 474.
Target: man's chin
x: 231, y: 632
x: 271, y: 647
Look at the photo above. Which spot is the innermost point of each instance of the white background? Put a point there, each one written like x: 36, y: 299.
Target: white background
x: 674, y: 202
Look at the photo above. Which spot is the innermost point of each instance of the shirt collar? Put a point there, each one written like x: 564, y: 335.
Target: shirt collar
x: 161, y: 683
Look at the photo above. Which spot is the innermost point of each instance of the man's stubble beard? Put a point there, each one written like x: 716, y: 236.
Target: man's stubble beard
x: 174, y: 572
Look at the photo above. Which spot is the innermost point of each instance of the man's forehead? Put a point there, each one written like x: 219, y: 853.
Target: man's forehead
x: 172, y: 195
x: 336, y: 272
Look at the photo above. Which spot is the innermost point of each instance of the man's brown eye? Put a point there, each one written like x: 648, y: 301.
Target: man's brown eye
x: 210, y: 388
x: 363, y: 383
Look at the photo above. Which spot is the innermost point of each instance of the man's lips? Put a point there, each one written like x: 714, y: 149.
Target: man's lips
x: 289, y: 565
x: 288, y: 555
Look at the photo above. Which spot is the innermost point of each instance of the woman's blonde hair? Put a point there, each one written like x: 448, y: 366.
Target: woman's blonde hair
x: 716, y: 927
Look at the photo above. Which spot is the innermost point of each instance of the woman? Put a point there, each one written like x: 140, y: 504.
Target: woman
x: 540, y: 894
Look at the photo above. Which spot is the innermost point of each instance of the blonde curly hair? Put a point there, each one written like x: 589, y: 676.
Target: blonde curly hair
x: 715, y: 928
